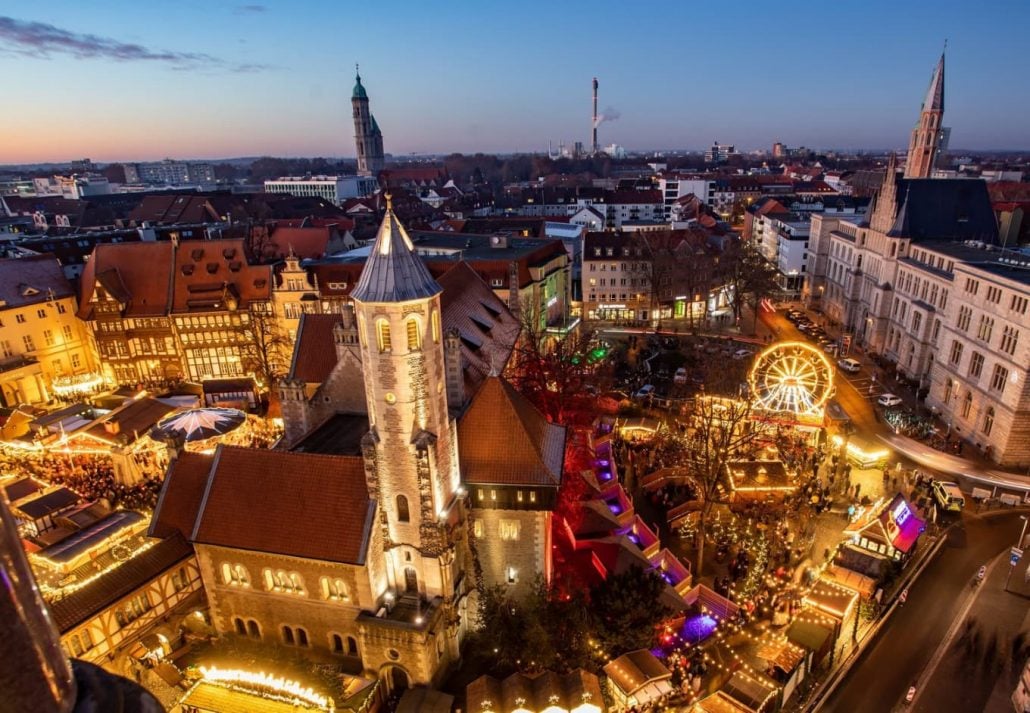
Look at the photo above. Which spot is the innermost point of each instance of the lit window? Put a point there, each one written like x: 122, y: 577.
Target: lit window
x: 477, y: 528
x: 334, y: 589
x: 513, y: 575
x: 509, y: 529
x: 414, y: 336
x: 436, y: 326
x: 383, y: 335
x: 402, y: 509
x: 235, y: 575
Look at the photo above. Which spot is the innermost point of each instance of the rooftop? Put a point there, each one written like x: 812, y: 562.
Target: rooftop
x: 340, y: 434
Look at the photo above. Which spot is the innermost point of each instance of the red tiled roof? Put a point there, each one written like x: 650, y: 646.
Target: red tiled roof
x: 331, y: 276
x: 295, y: 504
x: 314, y: 355
x: 142, y: 270
x: 488, y: 328
x: 30, y: 280
x: 207, y: 271
x: 306, y: 243
x: 181, y: 493
x: 506, y: 441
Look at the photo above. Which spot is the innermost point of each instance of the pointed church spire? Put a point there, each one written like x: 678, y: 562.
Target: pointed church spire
x: 935, y: 94
x: 394, y: 271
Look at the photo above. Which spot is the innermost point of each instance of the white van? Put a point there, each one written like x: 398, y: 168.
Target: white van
x: 948, y: 496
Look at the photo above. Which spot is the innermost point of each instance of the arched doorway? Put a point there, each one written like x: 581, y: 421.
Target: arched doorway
x: 395, y: 678
x: 410, y: 580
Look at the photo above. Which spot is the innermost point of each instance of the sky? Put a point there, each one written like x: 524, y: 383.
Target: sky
x: 117, y: 81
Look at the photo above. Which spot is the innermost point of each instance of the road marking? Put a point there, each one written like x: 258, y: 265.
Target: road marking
x: 927, y: 673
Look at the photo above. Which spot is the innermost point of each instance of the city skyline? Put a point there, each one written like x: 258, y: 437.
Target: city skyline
x: 144, y: 84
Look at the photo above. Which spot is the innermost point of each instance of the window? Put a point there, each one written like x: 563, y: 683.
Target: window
x: 253, y: 629
x: 235, y: 575
x: 414, y: 336
x: 336, y: 644
x: 972, y: 286
x: 917, y: 321
x: 998, y: 378
x: 947, y: 391
x: 76, y: 361
x: 1019, y: 304
x: 48, y: 337
x: 1009, y: 337
x: 383, y: 335
x: 26, y: 340
x: 41, y: 313
x: 988, y: 423
x: 241, y: 627
x: 67, y: 331
x: 435, y: 320
x: 986, y: 327
x: 967, y: 404
x: 976, y: 365
x: 477, y: 528
x: 288, y: 637
x: 352, y: 646
x: 180, y: 580
x: 512, y: 575
x: 282, y: 581
x: 5, y: 349
x: 302, y: 636
x: 402, y: 509
x: 964, y: 315
x: 509, y: 529
x: 19, y: 318
x: 61, y: 309
x: 956, y: 351
x: 334, y: 589
x: 994, y: 294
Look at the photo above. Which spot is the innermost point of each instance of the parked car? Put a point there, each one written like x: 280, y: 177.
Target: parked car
x: 742, y: 354
x: 889, y: 400
x: 948, y: 496
x: 852, y: 366
x: 680, y: 376
x: 645, y: 391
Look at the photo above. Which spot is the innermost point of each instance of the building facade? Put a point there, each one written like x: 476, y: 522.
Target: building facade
x: 335, y: 189
x: 44, y: 350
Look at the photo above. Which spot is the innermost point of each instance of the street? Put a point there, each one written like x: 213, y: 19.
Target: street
x: 879, y: 679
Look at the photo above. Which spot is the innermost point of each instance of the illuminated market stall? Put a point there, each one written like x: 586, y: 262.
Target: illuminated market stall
x: 886, y: 531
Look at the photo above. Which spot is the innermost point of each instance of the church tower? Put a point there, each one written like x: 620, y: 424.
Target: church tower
x: 367, y: 136
x: 928, y: 136
x: 411, y: 449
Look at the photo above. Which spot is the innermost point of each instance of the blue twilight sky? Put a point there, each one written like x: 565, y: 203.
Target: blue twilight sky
x: 145, y: 79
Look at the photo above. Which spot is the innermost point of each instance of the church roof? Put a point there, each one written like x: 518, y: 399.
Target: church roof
x: 295, y: 504
x: 394, y: 272
x: 359, y: 89
x: 314, y: 353
x: 944, y: 209
x: 935, y: 94
x: 506, y: 441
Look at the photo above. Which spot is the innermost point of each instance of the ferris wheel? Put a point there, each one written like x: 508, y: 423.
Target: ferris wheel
x: 793, y: 377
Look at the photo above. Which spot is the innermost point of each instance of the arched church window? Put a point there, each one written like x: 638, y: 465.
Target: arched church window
x: 414, y: 335
x: 383, y: 335
x: 402, y: 509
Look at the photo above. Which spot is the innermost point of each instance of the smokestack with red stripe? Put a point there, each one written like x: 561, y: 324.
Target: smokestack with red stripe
x: 593, y: 124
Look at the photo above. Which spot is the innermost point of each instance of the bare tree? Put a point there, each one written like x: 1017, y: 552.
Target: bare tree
x: 267, y: 353
x: 721, y: 430
x: 752, y: 276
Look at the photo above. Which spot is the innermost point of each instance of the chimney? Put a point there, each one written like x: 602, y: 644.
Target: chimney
x: 593, y: 124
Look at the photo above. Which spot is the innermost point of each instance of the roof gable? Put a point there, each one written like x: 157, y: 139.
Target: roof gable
x: 506, y: 441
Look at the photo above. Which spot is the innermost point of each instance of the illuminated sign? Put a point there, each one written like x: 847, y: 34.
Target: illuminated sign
x: 612, y: 306
x: 901, y: 513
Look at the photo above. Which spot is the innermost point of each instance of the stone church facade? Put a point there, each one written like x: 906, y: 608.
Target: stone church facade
x: 410, y: 475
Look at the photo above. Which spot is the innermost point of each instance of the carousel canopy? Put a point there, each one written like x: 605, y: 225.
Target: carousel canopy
x: 199, y: 424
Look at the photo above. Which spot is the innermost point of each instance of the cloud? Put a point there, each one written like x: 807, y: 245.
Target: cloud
x: 41, y: 40
x: 249, y: 9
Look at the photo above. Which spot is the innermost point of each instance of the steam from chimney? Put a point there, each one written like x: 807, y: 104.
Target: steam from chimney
x: 609, y: 114
x: 595, y: 123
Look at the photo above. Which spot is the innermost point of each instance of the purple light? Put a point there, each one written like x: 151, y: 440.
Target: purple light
x: 615, y: 508
x: 602, y: 462
x: 633, y: 538
x: 605, y: 475
x: 699, y: 627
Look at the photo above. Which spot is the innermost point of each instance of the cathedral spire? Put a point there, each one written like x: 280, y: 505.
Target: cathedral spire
x: 394, y: 271
x: 935, y: 94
